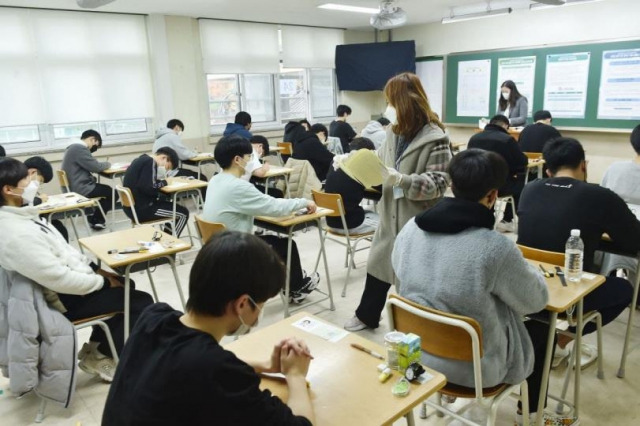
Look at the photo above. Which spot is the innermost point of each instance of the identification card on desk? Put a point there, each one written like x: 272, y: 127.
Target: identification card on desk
x: 320, y: 329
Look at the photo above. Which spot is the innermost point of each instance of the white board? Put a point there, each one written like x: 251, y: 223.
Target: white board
x: 431, y: 75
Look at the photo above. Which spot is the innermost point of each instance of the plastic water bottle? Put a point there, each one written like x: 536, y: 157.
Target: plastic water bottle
x: 573, y: 256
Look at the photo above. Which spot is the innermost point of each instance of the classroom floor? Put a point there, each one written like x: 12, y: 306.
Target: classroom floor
x: 611, y: 401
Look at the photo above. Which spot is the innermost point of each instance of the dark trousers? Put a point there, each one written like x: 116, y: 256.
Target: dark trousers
x: 610, y: 299
x: 538, y: 333
x: 193, y: 174
x: 273, y: 192
x: 61, y: 229
x: 514, y: 188
x: 106, y: 301
x: 162, y: 210
x: 105, y: 192
x: 372, y: 301
x: 279, y: 245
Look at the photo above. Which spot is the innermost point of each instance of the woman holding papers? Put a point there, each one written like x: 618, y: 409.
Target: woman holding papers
x: 416, y: 154
x: 512, y: 104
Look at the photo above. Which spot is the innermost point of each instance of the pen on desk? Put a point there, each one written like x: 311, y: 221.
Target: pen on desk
x: 561, y: 276
x: 544, y: 271
x: 369, y: 351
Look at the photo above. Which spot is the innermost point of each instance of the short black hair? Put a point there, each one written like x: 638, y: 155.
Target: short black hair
x: 92, y: 133
x: 474, y: 172
x: 543, y: 114
x: 305, y: 121
x: 243, y: 118
x: 42, y: 166
x: 635, y: 139
x: 342, y: 110
x: 173, y: 156
x: 319, y: 128
x: 384, y: 121
x: 12, y: 171
x: 499, y: 119
x: 229, y: 147
x: 362, y: 143
x: 262, y: 141
x: 562, y: 152
x: 3, y: 153
x: 220, y: 275
x: 175, y: 122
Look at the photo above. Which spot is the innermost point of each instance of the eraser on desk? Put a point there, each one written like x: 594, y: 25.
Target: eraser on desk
x: 384, y: 376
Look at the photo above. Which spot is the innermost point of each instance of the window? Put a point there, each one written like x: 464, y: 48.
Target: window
x: 68, y: 131
x: 123, y: 127
x: 19, y: 134
x: 272, y: 99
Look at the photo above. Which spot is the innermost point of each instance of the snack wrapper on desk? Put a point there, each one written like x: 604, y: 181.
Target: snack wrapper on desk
x: 408, y: 351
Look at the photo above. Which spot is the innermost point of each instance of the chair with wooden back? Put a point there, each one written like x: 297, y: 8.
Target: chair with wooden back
x: 287, y: 148
x: 208, y: 229
x: 458, y: 338
x: 127, y: 200
x: 533, y: 155
x: 350, y: 241
x: 64, y: 181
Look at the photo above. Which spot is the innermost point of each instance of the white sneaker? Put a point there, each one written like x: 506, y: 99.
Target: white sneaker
x: 560, y: 356
x: 99, y: 365
x: 506, y: 227
x: 86, y: 349
x: 354, y: 324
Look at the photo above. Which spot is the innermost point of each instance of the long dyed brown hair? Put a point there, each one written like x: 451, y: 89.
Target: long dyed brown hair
x: 405, y: 93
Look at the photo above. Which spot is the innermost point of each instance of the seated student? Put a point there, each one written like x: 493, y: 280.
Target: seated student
x: 376, y: 130
x: 40, y: 171
x: 358, y: 220
x: 240, y: 126
x: 449, y: 258
x: 170, y: 137
x: 305, y: 123
x: 174, y: 369
x: 339, y: 127
x: 145, y: 177
x: 72, y: 283
x: 308, y: 146
x: 261, y: 148
x: 495, y: 138
x: 550, y: 208
x: 3, y: 153
x: 79, y: 164
x: 623, y: 178
x: 534, y: 136
x: 234, y: 202
x: 255, y: 169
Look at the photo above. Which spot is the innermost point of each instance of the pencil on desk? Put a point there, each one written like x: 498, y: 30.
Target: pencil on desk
x: 369, y: 351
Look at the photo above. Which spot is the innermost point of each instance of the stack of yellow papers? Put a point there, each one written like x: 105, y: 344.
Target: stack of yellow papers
x: 365, y: 167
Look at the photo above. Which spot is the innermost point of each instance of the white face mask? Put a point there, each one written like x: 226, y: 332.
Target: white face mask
x: 505, y: 95
x: 391, y: 114
x: 162, y: 173
x: 243, y: 166
x: 244, y: 327
x: 29, y: 192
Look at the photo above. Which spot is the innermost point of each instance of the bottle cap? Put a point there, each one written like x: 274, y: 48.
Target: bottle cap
x: 575, y: 232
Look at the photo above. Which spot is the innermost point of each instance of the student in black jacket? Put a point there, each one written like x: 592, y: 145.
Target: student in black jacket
x: 534, y: 136
x: 495, y: 138
x: 174, y: 371
x: 307, y: 146
x: 550, y: 208
x: 339, y: 127
x: 357, y: 219
x: 145, y: 177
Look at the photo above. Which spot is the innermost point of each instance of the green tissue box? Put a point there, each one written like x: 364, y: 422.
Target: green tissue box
x: 408, y: 351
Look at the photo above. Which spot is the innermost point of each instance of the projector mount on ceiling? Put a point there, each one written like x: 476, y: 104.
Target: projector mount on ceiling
x: 93, y: 4
x: 390, y: 16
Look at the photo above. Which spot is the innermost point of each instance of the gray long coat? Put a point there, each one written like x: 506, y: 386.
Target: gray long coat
x: 424, y: 182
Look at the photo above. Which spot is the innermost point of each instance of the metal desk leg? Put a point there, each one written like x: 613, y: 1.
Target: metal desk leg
x: 113, y: 202
x: 539, y: 171
x: 627, y: 337
x: 578, y: 351
x: 287, y: 285
x: 127, y: 301
x: 326, y: 265
x: 175, y: 275
x: 266, y: 186
x: 553, y: 318
x: 173, y: 223
x: 526, y: 177
x: 286, y: 182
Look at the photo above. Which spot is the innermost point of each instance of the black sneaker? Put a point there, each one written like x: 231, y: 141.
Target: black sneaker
x: 310, y: 283
x: 297, y: 296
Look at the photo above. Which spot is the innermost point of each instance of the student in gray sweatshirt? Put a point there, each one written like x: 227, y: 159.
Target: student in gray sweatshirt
x: 79, y: 164
x: 450, y: 258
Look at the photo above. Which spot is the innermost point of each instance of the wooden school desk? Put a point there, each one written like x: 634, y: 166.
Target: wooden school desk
x: 532, y: 164
x: 343, y: 381
x: 199, y: 160
x: 277, y: 172
x: 287, y: 225
x: 178, y: 185
x: 560, y: 299
x: 116, y: 171
x: 100, y: 245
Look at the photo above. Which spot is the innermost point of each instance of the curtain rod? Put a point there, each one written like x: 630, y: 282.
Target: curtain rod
x: 271, y: 23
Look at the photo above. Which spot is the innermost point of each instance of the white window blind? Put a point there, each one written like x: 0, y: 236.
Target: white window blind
x: 73, y: 67
x: 230, y: 47
x: 304, y: 47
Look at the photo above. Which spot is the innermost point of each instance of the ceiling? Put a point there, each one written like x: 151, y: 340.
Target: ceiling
x: 302, y: 12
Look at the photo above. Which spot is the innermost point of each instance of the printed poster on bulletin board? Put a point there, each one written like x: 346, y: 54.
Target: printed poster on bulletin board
x: 619, y: 96
x: 474, y: 87
x: 522, y: 71
x: 565, y: 91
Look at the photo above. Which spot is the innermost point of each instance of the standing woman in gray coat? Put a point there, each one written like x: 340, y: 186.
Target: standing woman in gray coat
x: 512, y: 104
x: 416, y: 154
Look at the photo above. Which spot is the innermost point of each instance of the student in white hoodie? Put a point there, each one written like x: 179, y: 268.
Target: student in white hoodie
x: 376, y: 130
x: 71, y: 283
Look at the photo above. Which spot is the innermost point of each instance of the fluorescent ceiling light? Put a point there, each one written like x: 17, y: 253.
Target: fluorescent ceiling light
x: 540, y: 6
x: 348, y: 8
x: 479, y: 15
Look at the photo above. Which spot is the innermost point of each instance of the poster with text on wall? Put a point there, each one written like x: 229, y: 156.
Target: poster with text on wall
x: 522, y: 71
x: 619, y: 96
x: 474, y: 86
x: 565, y: 90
